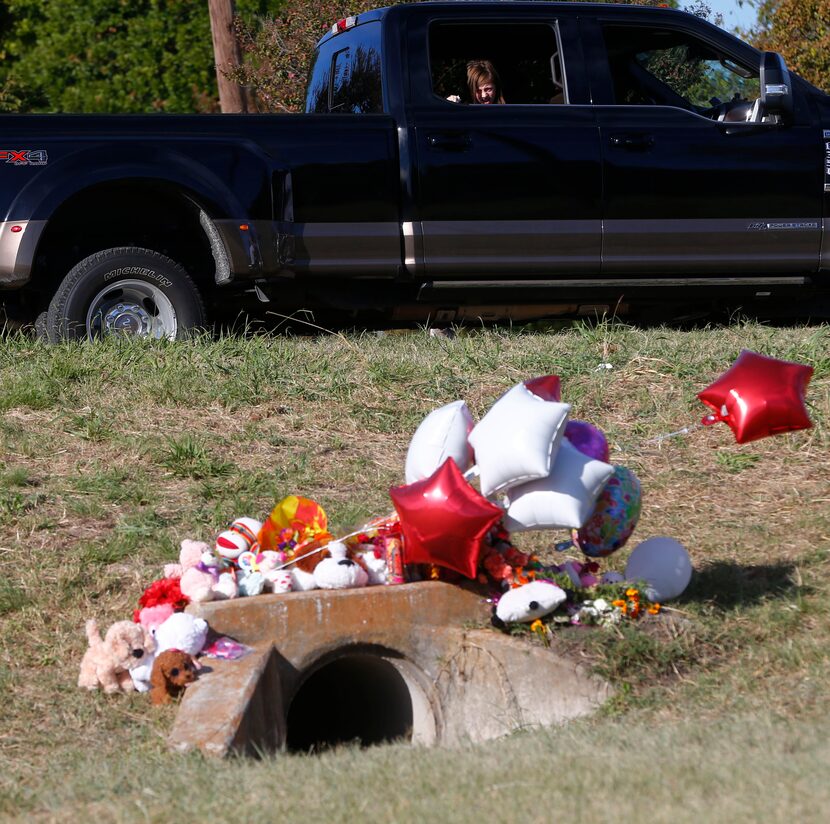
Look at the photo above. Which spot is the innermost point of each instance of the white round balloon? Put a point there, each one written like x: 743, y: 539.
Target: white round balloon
x: 441, y: 435
x: 663, y: 564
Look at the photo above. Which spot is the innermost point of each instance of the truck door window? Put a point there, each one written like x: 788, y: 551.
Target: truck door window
x: 346, y: 73
x: 526, y: 56
x: 672, y: 68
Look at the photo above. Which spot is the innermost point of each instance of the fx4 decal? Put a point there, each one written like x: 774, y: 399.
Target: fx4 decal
x: 24, y: 157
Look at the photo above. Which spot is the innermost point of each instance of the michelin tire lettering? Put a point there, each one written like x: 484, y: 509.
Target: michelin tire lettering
x: 124, y: 271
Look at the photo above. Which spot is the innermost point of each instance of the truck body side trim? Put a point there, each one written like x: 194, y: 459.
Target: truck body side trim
x: 354, y: 250
x: 477, y: 247
x: 711, y: 245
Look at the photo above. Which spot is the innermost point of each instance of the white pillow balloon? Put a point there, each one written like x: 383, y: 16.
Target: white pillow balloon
x: 441, y: 435
x: 663, y: 564
x: 517, y: 440
x: 565, y: 499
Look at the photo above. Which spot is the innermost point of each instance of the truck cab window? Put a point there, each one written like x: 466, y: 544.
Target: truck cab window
x: 664, y: 67
x: 526, y: 56
x: 346, y: 73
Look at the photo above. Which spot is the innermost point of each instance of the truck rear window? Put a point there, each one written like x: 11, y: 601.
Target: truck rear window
x: 346, y: 73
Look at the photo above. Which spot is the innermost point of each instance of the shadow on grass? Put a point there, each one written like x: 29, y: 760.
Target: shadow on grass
x: 728, y: 585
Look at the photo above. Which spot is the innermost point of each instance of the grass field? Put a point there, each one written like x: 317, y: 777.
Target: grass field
x: 111, y: 454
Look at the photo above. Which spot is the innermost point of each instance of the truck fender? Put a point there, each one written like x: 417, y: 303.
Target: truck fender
x: 219, y: 208
x: 81, y: 170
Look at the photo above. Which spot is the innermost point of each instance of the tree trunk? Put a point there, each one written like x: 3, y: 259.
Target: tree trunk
x: 226, y: 54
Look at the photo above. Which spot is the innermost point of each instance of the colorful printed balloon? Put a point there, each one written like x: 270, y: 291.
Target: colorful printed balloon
x: 615, y: 516
x: 588, y: 440
x: 292, y: 522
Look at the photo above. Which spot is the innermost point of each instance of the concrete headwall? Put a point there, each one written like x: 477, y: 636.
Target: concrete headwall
x: 463, y: 682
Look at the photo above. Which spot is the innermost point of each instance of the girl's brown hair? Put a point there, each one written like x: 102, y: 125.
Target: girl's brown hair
x: 480, y: 72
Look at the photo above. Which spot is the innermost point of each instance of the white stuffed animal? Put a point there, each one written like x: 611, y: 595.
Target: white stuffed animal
x: 338, y: 571
x: 302, y: 581
x: 180, y: 631
x: 226, y: 587
x: 376, y: 567
x: 528, y: 602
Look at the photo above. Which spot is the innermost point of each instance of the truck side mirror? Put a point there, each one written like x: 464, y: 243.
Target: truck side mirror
x: 776, y: 86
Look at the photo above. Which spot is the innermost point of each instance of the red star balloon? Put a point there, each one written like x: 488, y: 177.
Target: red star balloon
x: 759, y: 396
x: 546, y: 387
x: 444, y: 520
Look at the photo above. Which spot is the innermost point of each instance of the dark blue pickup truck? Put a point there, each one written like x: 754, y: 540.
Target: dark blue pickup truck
x: 641, y: 156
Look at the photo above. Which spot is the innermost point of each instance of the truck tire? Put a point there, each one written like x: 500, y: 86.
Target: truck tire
x: 41, y: 333
x: 125, y: 291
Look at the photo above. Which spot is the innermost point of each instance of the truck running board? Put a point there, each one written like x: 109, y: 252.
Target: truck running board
x: 437, y: 287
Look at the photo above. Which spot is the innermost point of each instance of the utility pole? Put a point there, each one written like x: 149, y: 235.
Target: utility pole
x: 226, y: 54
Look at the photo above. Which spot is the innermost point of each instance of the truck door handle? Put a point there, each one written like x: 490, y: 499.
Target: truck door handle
x: 450, y: 142
x: 633, y: 142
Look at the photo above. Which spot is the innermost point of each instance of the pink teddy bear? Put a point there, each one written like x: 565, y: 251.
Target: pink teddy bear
x: 197, y: 577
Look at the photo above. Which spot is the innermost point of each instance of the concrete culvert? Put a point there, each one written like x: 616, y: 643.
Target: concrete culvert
x: 372, y: 665
x: 355, y: 698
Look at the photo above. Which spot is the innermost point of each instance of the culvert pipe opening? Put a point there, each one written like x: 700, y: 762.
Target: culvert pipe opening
x: 355, y: 698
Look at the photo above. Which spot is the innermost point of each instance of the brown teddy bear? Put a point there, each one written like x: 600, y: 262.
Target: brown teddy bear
x: 173, y: 670
x: 107, y: 663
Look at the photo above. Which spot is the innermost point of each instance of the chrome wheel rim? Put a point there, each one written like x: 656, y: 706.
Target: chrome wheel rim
x: 131, y: 308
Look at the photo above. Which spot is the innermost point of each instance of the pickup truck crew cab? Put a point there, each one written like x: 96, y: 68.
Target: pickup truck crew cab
x: 642, y: 156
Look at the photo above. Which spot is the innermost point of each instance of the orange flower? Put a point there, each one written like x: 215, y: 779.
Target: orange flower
x: 537, y: 626
x: 633, y: 594
x: 654, y: 609
x: 635, y: 610
x: 618, y: 603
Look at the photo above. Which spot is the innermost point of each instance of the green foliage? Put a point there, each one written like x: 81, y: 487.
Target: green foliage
x: 800, y: 31
x: 109, y: 56
x: 188, y: 457
x: 278, y: 50
x: 12, y: 597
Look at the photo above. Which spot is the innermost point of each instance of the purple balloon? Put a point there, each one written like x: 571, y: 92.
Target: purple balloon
x: 588, y: 440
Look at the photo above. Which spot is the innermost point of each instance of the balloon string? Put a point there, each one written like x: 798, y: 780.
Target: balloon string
x: 686, y: 430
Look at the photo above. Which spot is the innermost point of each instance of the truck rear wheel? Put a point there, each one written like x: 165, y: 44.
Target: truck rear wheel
x: 125, y: 291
